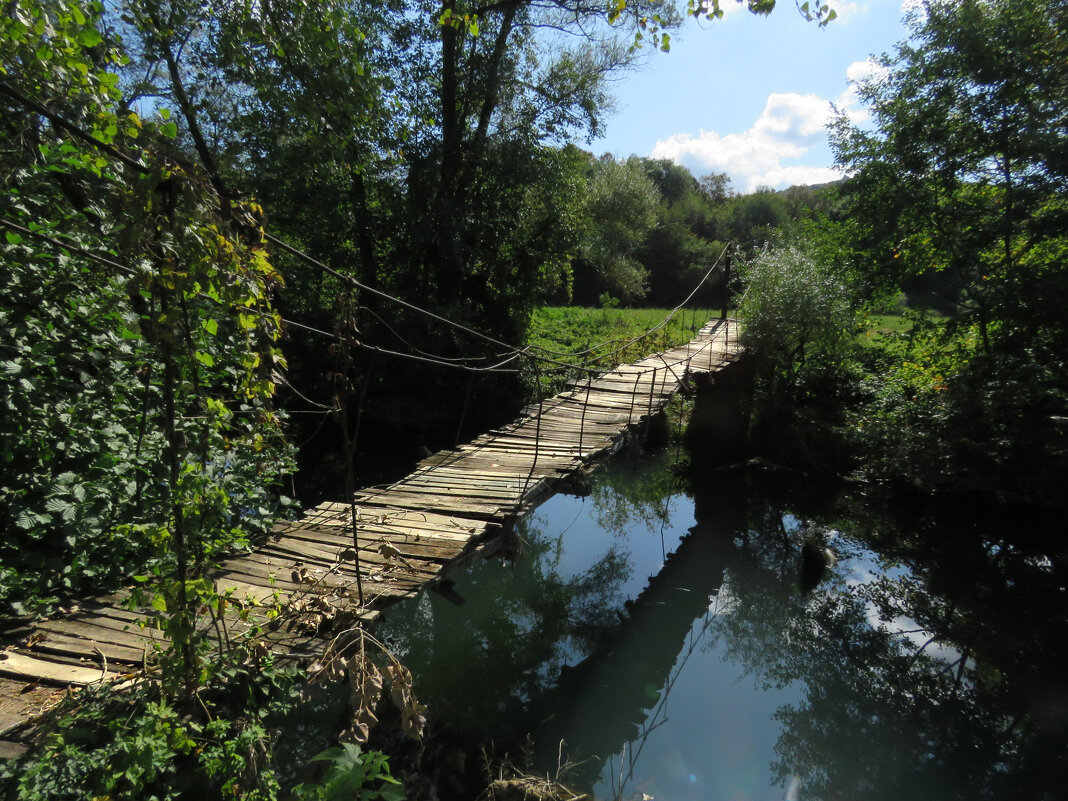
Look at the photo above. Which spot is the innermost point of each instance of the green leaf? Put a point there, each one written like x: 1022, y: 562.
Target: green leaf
x: 61, y: 507
x: 210, y: 326
x: 169, y: 130
x: 204, y: 358
x: 90, y: 37
x: 13, y: 238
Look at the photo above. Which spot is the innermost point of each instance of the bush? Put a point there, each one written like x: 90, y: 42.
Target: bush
x: 798, y: 315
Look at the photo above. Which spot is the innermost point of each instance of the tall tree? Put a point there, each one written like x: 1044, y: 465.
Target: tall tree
x: 966, y: 176
x: 967, y: 170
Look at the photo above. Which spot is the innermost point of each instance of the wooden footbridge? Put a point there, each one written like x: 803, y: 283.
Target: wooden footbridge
x: 411, y: 533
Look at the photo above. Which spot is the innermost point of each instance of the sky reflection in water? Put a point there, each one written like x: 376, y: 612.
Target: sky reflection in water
x: 664, y: 637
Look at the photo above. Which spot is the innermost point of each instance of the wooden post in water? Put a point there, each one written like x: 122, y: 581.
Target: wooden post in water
x: 537, y: 439
x: 649, y: 412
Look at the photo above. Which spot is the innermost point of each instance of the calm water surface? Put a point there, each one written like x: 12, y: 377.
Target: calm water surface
x: 658, y: 628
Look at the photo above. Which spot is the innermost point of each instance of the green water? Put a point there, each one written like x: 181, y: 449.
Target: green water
x: 658, y: 628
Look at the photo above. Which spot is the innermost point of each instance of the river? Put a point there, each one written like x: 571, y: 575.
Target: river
x: 657, y: 639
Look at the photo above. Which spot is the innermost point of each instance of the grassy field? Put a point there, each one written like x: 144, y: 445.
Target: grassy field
x: 878, y: 326
x: 605, y: 338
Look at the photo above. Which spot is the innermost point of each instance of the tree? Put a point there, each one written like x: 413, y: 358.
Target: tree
x: 140, y: 340
x: 967, y: 170
x: 716, y: 186
x: 621, y: 206
x: 686, y: 240
x: 966, y: 177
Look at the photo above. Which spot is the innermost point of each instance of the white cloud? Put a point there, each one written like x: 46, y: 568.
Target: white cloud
x: 859, y: 72
x: 789, y: 127
x: 731, y: 7
x: 868, y: 69
x: 846, y: 10
x: 798, y: 175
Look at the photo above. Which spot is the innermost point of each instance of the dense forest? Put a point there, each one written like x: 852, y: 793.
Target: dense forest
x: 237, y: 234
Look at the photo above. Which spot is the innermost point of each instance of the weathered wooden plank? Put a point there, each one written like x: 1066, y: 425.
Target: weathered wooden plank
x: 323, y: 559
x: 12, y: 750
x: 422, y: 548
x: 341, y: 536
x: 29, y: 668
x: 435, y: 503
x: 469, y: 489
x: 55, y: 643
x: 374, y: 508
x: 103, y: 630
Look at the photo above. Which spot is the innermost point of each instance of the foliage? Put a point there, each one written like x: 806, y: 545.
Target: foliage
x: 140, y: 340
x: 963, y: 175
x: 798, y: 313
x: 139, y: 744
x: 352, y: 774
x: 689, y: 234
x: 799, y: 325
x: 621, y: 204
x: 906, y: 403
x: 963, y: 184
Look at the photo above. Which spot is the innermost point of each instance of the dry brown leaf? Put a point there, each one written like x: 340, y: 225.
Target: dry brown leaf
x: 358, y: 734
x: 413, y: 721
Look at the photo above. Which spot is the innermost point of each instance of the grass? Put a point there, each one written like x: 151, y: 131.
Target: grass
x: 604, y: 338
x: 879, y: 326
x: 898, y: 315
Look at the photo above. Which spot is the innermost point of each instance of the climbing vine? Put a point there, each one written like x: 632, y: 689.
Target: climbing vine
x: 140, y: 347
x: 139, y: 354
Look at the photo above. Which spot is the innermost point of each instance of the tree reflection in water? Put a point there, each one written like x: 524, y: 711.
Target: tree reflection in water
x: 932, y: 669
x: 935, y: 671
x: 480, y: 665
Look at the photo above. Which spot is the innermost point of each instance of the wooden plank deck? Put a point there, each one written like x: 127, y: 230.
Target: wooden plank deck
x: 411, y: 533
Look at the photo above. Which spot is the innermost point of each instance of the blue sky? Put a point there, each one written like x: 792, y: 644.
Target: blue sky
x: 750, y: 96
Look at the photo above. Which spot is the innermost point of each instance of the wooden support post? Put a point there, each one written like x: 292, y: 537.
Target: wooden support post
x: 463, y: 413
x: 726, y: 284
x: 585, y: 406
x: 652, y: 387
x: 633, y: 395
x: 649, y: 414
x: 537, y: 439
